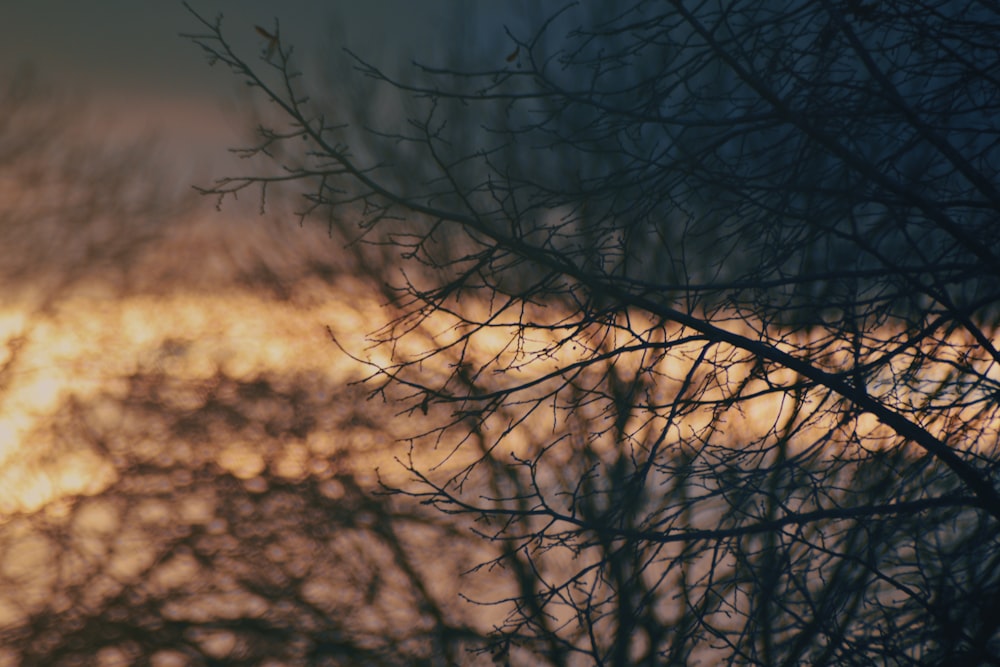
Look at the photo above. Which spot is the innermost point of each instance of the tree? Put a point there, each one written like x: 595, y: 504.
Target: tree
x: 165, y: 500
x: 700, y: 302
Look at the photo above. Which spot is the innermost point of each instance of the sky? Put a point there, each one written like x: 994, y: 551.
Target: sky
x: 124, y: 45
x: 128, y: 58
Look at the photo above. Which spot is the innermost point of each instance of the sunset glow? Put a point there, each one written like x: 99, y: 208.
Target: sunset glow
x: 445, y: 334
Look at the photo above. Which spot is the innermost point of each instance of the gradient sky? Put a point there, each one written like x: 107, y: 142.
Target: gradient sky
x: 125, y: 45
x: 127, y: 58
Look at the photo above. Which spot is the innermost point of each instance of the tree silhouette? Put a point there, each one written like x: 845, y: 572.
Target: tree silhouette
x: 160, y: 504
x: 700, y: 302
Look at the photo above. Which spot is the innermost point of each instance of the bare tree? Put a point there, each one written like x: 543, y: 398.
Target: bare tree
x: 160, y: 505
x: 701, y: 300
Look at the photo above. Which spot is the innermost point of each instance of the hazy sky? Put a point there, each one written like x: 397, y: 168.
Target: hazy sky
x: 133, y: 45
x: 126, y: 57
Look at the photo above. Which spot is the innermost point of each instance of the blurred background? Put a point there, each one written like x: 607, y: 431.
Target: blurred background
x: 192, y: 472
x: 129, y: 60
x: 185, y: 469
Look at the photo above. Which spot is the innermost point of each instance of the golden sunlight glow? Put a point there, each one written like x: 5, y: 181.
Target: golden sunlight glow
x: 89, y: 344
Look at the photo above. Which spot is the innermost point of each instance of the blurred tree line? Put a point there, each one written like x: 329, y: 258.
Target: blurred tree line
x: 692, y: 340
x: 163, y: 502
